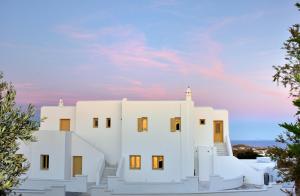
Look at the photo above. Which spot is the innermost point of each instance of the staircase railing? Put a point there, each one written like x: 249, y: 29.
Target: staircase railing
x: 100, y: 169
x: 120, y: 167
x: 101, y: 159
x: 86, y: 141
x: 228, y: 145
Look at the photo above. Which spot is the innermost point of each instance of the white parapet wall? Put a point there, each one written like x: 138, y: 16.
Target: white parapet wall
x: 205, y: 159
x: 76, y: 184
x: 55, y: 144
x: 91, y: 156
x: 230, y: 167
x: 218, y: 183
x: 50, y: 191
x: 118, y: 185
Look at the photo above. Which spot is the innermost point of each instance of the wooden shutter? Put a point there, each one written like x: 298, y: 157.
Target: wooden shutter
x: 138, y: 162
x: 145, y: 124
x: 77, y: 165
x: 172, y: 124
x: 64, y: 125
x: 140, y: 124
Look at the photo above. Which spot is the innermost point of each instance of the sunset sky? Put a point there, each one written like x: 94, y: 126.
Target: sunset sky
x: 152, y: 50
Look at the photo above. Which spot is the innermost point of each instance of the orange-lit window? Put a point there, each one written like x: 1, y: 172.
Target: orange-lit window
x: 142, y: 124
x: 135, y: 161
x: 175, y: 124
x: 64, y: 124
x: 158, y: 162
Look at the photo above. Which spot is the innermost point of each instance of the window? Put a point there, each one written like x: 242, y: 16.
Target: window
x: 64, y: 124
x: 77, y: 165
x: 108, y: 122
x: 142, y: 124
x: 158, y: 162
x: 175, y: 124
x: 135, y: 161
x: 44, y: 162
x: 202, y: 121
x: 95, y: 123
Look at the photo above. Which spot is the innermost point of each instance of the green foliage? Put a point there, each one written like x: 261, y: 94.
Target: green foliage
x: 289, y: 73
x: 16, y: 125
x: 245, y: 154
x: 288, y: 158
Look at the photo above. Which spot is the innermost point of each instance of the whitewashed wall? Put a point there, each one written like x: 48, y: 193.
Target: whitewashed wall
x: 108, y: 140
x: 205, y: 167
x: 158, y: 140
x: 91, y: 156
x: 54, y: 144
x: 122, y: 138
x: 203, y: 133
x: 229, y: 167
x: 53, y: 114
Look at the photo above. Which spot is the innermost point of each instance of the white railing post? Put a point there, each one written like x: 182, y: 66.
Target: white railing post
x: 100, y: 168
x: 228, y: 146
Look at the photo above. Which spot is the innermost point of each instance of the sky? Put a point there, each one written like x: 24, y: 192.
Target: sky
x: 152, y: 50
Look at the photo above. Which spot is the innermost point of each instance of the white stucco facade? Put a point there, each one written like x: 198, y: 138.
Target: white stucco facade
x: 197, y: 154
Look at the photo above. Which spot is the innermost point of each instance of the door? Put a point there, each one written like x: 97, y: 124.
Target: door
x: 64, y: 125
x: 77, y: 165
x: 218, y: 131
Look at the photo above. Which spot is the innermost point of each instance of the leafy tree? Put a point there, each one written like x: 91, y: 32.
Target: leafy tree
x: 16, y: 125
x: 288, y: 157
x: 245, y: 154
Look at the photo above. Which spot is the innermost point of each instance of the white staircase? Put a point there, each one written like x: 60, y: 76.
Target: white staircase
x: 108, y: 171
x: 221, y: 149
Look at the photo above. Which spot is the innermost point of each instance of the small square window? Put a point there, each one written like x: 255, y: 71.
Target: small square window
x: 64, y: 124
x: 108, y: 122
x: 175, y: 124
x: 44, y: 162
x: 135, y: 161
x: 95, y: 122
x: 158, y: 162
x: 202, y: 121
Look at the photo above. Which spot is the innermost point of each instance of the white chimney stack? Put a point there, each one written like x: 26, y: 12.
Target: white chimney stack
x: 188, y: 94
x: 61, y: 102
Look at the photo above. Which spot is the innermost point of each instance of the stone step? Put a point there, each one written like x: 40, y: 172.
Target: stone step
x: 221, y: 149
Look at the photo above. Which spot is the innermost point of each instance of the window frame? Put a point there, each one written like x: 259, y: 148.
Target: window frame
x: 158, y: 157
x: 141, y: 127
x: 44, y: 161
x: 202, y: 120
x: 134, y: 166
x: 173, y: 124
x: 108, y: 122
x: 95, y: 122
x: 64, y: 120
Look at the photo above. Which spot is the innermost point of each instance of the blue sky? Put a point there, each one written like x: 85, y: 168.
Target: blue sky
x: 153, y: 50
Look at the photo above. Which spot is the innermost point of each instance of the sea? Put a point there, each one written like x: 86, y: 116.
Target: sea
x: 257, y: 143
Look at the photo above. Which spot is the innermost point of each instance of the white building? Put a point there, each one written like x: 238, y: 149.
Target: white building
x: 136, y: 146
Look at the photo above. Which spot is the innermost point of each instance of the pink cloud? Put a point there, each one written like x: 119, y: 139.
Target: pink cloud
x: 74, y: 33
x: 138, y: 91
x: 131, y: 51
